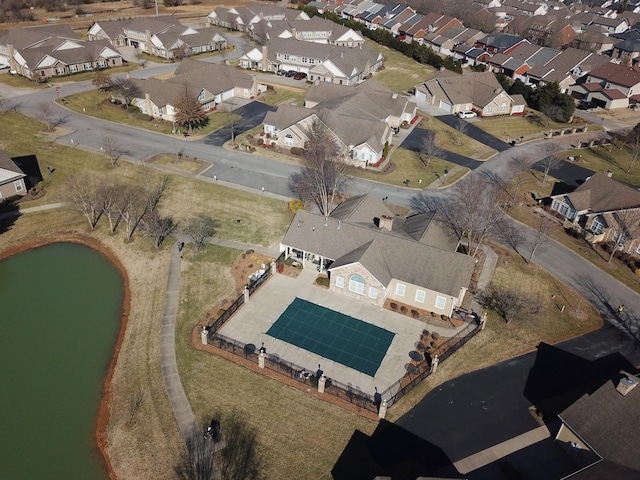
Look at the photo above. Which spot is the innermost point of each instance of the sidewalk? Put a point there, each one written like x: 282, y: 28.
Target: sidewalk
x: 175, y: 392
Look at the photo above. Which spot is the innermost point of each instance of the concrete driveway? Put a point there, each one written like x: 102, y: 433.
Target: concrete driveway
x: 252, y: 115
x: 477, y: 133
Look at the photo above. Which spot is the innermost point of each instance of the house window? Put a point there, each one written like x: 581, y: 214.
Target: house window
x: 73, y: 68
x: 88, y: 66
x: 489, y: 110
x: 18, y: 185
x: 60, y: 71
x: 503, y: 107
x: 441, y: 302
x: 420, y: 294
x: 564, y: 209
x: 356, y: 284
x: 288, y: 140
x: 400, y: 289
x: 339, y: 281
x: 597, y: 227
x: 373, y: 292
x: 201, y: 96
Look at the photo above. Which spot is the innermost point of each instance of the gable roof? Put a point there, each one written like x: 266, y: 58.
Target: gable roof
x: 480, y: 88
x: 386, y: 255
x: 602, y: 194
x: 9, y: 171
x: 623, y: 75
x: 608, y: 422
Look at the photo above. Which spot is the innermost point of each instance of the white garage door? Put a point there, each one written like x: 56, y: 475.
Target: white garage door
x: 445, y: 106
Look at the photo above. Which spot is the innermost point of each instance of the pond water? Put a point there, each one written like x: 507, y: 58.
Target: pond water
x: 60, y: 309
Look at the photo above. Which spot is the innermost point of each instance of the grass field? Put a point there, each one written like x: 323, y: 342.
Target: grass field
x: 284, y: 94
x: 400, y: 73
x: 617, y: 159
x: 447, y: 137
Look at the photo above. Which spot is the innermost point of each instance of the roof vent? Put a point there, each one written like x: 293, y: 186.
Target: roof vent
x: 627, y: 383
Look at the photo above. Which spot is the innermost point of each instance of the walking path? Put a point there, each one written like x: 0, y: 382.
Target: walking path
x: 172, y: 384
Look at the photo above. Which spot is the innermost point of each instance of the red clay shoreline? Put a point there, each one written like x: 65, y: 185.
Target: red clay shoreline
x: 105, y: 402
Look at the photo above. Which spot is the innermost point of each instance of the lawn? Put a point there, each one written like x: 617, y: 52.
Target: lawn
x: 400, y: 73
x: 286, y: 418
x: 279, y: 94
x: 522, y: 210
x: 500, y: 341
x: 515, y: 127
x: 609, y: 157
x: 406, y: 165
x: 180, y: 164
x: 446, y: 139
x: 22, y: 82
x: 96, y: 104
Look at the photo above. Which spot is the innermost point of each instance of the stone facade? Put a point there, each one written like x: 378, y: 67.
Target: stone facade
x: 370, y: 281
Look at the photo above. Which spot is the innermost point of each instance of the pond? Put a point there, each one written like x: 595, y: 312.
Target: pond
x: 60, y: 316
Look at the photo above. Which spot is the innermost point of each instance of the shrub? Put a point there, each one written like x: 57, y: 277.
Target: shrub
x: 434, y: 314
x: 220, y: 312
x: 444, y: 317
x: 297, y: 151
x: 435, y: 335
x: 322, y: 281
x: 260, y: 141
x: 425, y: 333
x: 280, y: 268
x: 415, y: 314
x: 404, y: 309
x: 433, y: 344
x: 295, y: 205
x: 393, y: 305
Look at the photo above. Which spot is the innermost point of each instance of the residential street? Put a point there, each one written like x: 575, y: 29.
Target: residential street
x: 255, y: 172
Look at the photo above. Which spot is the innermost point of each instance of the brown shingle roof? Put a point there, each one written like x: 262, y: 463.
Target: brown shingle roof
x: 601, y: 194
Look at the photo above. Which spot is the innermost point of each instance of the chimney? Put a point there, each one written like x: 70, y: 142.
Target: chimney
x: 386, y: 222
x: 626, y: 384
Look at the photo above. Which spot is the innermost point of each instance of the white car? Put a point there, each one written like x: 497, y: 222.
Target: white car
x: 467, y: 114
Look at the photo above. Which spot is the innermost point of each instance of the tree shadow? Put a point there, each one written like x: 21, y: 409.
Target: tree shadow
x: 9, y: 213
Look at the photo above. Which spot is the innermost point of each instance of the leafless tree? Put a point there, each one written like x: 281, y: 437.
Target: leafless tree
x: 507, y: 231
x: 47, y: 114
x: 130, y: 206
x: 461, y: 130
x: 552, y: 112
x: 198, y: 461
x: 110, y: 194
x: 510, y: 302
x: 83, y: 191
x: 516, y: 169
x: 199, y: 229
x: 625, y: 225
x: 158, y: 227
x: 473, y: 210
x: 101, y: 80
x: 134, y: 405
x: 541, y: 228
x: 323, y: 175
x: 155, y: 188
x: 429, y: 149
x: 632, y: 140
x: 127, y: 88
x: 179, y: 151
x: 110, y: 146
x: 549, y: 160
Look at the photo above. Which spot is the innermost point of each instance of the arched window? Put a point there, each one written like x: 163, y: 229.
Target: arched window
x: 356, y: 284
x: 288, y: 140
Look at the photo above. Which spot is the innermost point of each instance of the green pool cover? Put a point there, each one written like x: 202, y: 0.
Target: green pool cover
x: 333, y: 335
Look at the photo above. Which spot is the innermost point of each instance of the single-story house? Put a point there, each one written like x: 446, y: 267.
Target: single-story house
x: 212, y: 83
x: 371, y: 255
x: 244, y: 18
x: 604, y: 209
x: 40, y: 53
x: 12, y: 178
x: 480, y: 92
x: 317, y: 30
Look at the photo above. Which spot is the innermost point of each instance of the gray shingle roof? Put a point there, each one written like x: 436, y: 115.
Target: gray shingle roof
x: 601, y: 194
x: 387, y: 255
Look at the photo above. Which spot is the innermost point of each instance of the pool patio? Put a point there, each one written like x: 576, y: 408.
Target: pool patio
x: 255, y: 318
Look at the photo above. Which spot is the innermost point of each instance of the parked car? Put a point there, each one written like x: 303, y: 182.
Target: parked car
x: 291, y: 73
x: 300, y: 76
x: 467, y: 114
x: 280, y: 72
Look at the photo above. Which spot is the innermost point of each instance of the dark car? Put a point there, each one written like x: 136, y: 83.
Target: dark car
x: 585, y: 105
x: 291, y: 73
x: 300, y: 76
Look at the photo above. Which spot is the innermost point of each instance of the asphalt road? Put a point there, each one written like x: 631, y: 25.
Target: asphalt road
x: 481, y: 409
x: 254, y: 172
